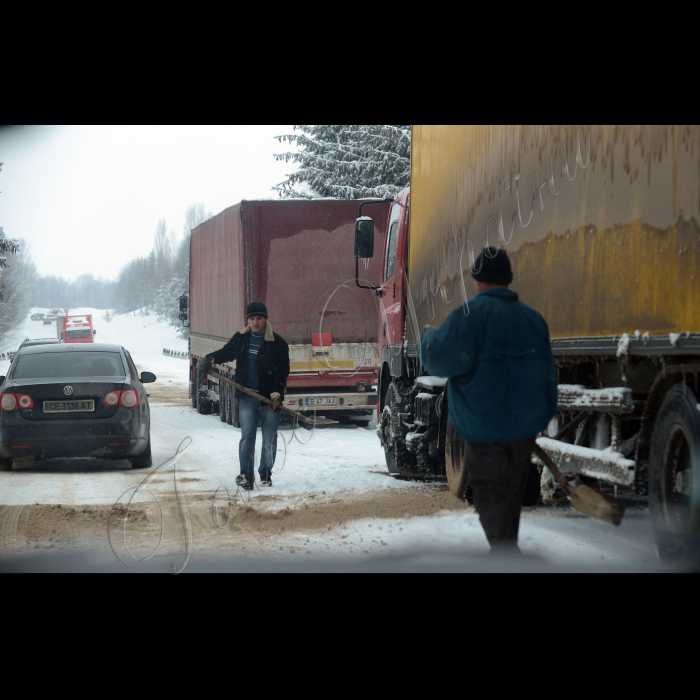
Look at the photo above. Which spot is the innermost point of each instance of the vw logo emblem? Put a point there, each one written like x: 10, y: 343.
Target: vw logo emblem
x: 68, y: 390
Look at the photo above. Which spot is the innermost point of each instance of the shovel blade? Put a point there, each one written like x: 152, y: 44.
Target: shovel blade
x: 588, y: 501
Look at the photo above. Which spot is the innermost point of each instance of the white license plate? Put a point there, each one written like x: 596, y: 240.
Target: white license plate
x: 321, y: 402
x: 69, y: 406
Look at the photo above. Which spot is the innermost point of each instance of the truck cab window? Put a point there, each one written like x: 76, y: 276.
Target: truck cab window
x: 393, y: 236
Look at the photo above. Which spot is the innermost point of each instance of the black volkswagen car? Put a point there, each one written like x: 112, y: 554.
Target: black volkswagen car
x: 74, y: 400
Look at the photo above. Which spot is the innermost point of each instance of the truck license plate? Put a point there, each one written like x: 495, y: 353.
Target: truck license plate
x: 321, y: 402
x: 69, y: 406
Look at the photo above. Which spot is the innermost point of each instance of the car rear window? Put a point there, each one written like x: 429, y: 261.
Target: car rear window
x: 47, y: 365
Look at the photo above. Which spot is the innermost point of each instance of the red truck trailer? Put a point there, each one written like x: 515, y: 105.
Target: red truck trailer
x: 296, y: 256
x: 75, y: 329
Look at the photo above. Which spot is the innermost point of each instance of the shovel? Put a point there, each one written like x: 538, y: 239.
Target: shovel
x: 585, y: 499
x: 296, y: 414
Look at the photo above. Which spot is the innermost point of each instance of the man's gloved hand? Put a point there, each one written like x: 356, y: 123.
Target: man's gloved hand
x: 205, y: 364
x: 276, y: 400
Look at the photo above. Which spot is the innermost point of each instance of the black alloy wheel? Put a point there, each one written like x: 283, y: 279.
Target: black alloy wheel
x: 674, y: 475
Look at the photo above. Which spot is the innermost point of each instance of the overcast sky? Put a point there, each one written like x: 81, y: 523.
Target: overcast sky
x: 88, y: 198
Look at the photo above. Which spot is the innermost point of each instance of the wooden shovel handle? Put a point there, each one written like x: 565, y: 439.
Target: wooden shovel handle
x: 294, y: 414
x: 561, y: 479
x: 221, y: 378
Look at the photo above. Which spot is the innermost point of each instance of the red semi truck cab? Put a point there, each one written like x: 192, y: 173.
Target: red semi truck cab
x: 75, y: 329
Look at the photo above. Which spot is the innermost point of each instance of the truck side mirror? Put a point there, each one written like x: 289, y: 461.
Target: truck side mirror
x: 94, y: 332
x: 364, y: 237
x: 184, y: 309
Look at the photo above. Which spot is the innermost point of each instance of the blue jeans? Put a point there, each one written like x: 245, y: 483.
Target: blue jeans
x: 250, y: 411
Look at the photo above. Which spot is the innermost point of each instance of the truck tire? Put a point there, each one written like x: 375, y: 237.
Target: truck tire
x: 203, y: 405
x: 222, y: 402
x: 6, y: 465
x: 193, y: 384
x: 234, y: 409
x: 230, y: 404
x: 674, y: 475
x: 400, y: 463
x: 454, y: 464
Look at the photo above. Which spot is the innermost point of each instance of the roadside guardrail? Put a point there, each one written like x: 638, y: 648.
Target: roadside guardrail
x: 176, y: 353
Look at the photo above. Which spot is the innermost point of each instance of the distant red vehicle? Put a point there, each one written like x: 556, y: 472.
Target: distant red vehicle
x: 75, y: 329
x: 296, y: 257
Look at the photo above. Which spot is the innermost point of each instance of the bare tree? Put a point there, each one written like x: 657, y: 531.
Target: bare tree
x: 16, y: 288
x: 8, y: 246
x: 162, y: 253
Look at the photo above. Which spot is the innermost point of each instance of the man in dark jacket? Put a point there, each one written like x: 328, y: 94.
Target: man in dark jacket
x: 262, y: 364
x: 501, y: 391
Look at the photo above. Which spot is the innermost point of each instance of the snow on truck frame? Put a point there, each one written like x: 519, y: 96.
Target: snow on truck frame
x: 602, y: 225
x: 296, y: 257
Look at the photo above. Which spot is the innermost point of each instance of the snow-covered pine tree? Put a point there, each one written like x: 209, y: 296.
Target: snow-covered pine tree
x: 347, y: 161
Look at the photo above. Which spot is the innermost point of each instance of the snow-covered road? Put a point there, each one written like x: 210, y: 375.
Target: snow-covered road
x: 332, y: 496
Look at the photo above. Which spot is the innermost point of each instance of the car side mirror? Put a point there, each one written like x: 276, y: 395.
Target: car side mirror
x: 364, y: 237
x: 147, y: 377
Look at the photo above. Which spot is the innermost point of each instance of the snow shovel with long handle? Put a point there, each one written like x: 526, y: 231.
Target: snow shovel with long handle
x: 296, y: 414
x: 584, y: 498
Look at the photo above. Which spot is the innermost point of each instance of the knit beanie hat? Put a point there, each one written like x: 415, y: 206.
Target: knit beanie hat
x: 493, y: 267
x: 256, y: 308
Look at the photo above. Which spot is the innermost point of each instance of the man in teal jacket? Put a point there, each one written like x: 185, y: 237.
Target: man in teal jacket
x: 501, y: 391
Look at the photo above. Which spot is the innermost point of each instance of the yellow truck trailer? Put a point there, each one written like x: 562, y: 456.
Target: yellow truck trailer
x: 602, y: 224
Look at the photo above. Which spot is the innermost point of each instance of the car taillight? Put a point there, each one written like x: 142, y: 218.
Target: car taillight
x: 129, y: 398
x: 11, y: 402
x: 25, y: 401
x: 126, y: 397
x: 111, y: 399
x: 8, y: 402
